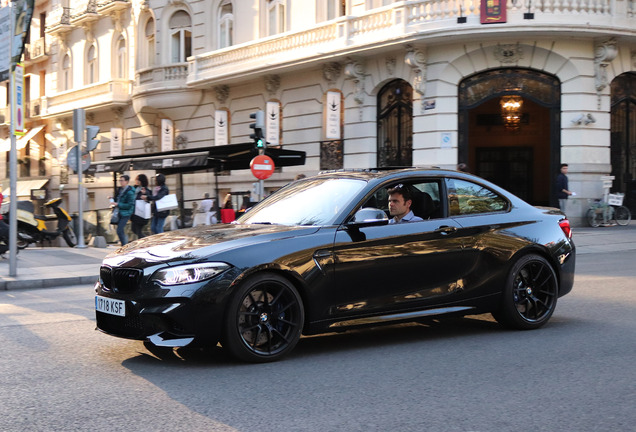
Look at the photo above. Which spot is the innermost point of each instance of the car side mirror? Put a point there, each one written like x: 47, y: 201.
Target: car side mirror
x: 369, y: 216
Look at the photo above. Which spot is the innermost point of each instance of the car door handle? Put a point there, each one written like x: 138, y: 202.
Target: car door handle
x: 446, y: 230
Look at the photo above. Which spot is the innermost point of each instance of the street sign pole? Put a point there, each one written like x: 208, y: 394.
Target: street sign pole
x: 79, y: 126
x: 13, y: 164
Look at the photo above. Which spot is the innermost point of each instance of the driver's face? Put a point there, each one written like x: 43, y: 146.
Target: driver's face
x: 397, y: 205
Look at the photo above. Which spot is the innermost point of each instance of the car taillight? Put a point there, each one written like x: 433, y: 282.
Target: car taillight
x: 565, y: 226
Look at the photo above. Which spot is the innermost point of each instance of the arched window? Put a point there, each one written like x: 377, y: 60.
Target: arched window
x: 121, y: 57
x: 91, y: 65
x: 226, y: 24
x: 180, y: 37
x: 66, y: 82
x: 275, y: 17
x: 395, y: 124
x: 149, y: 43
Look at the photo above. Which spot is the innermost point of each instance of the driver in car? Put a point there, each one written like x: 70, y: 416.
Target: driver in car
x: 400, y: 201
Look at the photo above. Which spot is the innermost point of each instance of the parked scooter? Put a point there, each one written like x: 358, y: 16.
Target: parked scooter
x: 32, y: 227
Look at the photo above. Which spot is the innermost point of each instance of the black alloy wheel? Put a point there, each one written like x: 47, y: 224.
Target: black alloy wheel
x: 69, y: 237
x: 530, y: 295
x: 264, y: 320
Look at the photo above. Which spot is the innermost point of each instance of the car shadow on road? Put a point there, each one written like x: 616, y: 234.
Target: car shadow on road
x: 351, y: 340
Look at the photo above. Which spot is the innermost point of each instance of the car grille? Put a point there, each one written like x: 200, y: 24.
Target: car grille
x: 122, y: 280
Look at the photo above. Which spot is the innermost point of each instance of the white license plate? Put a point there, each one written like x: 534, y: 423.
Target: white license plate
x: 110, y: 306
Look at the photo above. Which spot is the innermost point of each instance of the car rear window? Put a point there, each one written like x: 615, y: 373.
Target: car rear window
x: 465, y: 198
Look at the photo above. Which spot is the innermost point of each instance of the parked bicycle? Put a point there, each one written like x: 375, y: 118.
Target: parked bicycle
x: 612, y: 212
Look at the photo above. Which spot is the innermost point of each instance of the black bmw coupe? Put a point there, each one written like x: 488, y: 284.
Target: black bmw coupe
x: 323, y: 254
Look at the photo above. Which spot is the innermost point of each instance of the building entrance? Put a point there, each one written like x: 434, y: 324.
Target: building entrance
x: 509, y: 122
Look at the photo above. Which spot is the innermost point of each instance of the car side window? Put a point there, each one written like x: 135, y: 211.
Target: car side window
x: 425, y: 198
x: 465, y: 198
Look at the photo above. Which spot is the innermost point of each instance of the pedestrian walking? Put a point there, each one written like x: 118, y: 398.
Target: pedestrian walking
x: 125, y: 203
x: 159, y: 191
x: 562, y: 188
x: 141, y: 188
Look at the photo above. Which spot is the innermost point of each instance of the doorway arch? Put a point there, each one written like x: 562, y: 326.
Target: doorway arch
x: 623, y: 136
x: 517, y: 157
x: 395, y: 124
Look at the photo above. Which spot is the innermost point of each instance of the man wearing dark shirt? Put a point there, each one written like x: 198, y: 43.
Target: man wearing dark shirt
x: 563, y: 192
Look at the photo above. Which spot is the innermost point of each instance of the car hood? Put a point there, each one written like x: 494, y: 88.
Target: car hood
x: 200, y: 242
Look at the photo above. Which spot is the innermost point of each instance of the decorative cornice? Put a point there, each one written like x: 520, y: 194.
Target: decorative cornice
x: 390, y: 63
x: 416, y: 59
x: 355, y: 70
x: 508, y: 53
x: 222, y: 92
x: 331, y: 72
x: 272, y: 83
x: 604, y: 52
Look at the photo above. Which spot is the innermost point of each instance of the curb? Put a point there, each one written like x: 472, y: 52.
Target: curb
x: 7, y: 284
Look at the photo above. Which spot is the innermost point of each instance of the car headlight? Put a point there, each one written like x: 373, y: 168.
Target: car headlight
x: 189, y: 273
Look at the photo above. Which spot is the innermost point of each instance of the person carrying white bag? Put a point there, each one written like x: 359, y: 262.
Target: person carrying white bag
x: 158, y: 192
x: 143, y: 213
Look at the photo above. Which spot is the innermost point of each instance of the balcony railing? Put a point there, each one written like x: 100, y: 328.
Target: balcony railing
x: 115, y: 92
x: 406, y: 18
x: 160, y: 74
x: 60, y: 20
x: 36, y: 51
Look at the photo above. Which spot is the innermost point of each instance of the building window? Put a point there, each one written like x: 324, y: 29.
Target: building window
x: 91, y: 65
x: 149, y: 47
x: 330, y: 9
x: 121, y: 57
x: 226, y: 25
x: 275, y: 17
x: 66, y: 73
x: 180, y: 37
x: 395, y: 124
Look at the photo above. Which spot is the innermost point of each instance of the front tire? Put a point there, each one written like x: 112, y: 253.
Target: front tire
x: 69, y: 237
x: 622, y: 215
x: 264, y: 319
x: 530, y: 295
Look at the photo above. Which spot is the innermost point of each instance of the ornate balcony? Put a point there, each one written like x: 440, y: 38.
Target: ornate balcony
x: 108, y: 7
x: 60, y: 21
x: 427, y: 21
x: 36, y: 52
x: 85, y: 12
x: 109, y: 94
x: 163, y: 88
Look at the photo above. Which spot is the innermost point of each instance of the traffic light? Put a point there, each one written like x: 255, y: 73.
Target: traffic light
x: 91, y: 137
x: 259, y: 129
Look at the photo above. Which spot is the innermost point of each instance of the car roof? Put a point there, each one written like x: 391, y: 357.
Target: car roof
x: 381, y: 173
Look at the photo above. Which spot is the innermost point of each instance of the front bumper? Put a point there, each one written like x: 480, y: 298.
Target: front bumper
x: 168, y: 316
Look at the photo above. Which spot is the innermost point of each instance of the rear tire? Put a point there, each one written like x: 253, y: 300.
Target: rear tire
x: 264, y: 319
x: 622, y: 215
x: 594, y: 219
x: 530, y: 295
x: 70, y: 237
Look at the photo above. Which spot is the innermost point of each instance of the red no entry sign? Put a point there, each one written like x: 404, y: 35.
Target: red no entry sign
x: 262, y: 167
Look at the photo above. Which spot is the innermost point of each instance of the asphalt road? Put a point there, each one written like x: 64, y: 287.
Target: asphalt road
x: 575, y: 374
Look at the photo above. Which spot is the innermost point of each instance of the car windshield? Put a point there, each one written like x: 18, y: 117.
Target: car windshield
x: 306, y: 202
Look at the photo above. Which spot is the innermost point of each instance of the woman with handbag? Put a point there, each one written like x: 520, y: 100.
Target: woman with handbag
x: 138, y: 220
x: 160, y: 191
x: 125, y: 204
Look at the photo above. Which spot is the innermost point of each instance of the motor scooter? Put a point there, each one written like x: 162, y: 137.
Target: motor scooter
x: 32, y: 227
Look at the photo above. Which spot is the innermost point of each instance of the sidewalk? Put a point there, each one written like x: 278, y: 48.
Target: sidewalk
x: 43, y: 267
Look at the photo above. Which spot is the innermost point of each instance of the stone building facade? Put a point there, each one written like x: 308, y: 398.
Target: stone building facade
x: 353, y: 83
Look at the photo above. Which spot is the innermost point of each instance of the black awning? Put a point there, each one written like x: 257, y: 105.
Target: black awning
x: 217, y: 158
x: 180, y: 162
x: 109, y: 166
